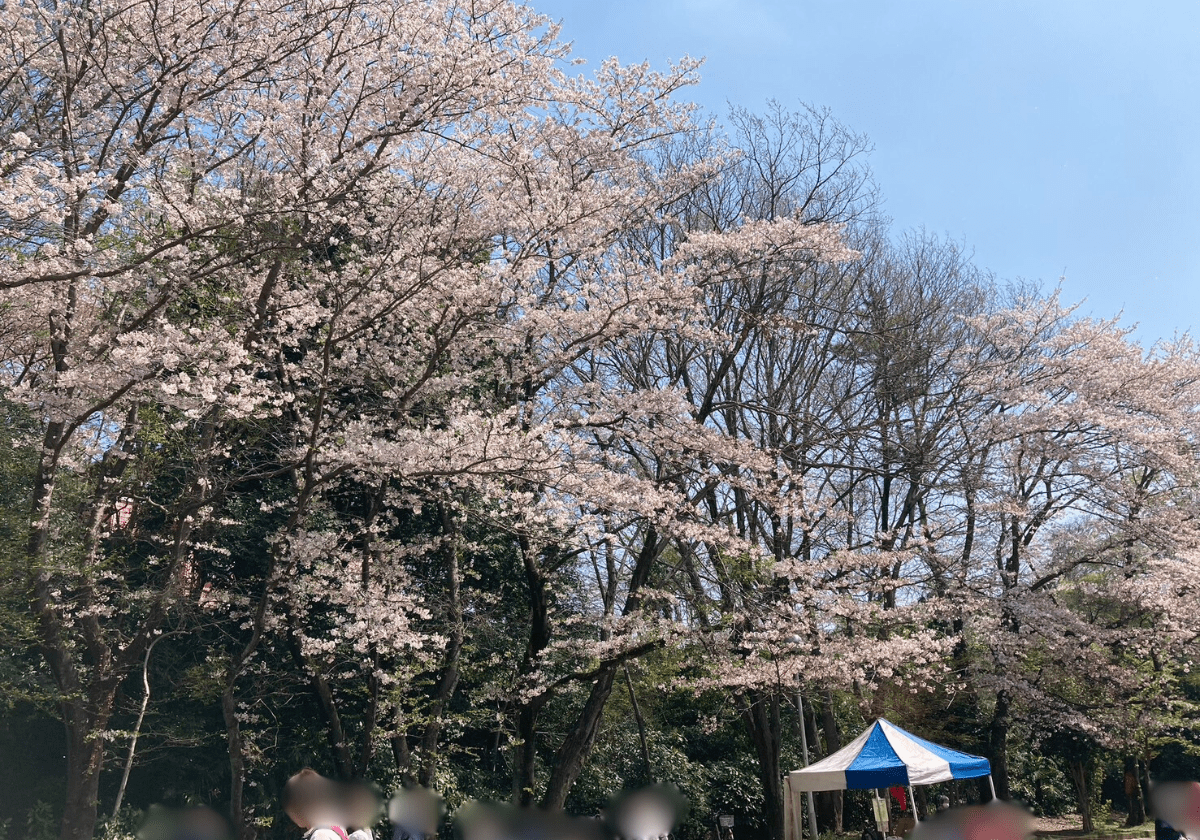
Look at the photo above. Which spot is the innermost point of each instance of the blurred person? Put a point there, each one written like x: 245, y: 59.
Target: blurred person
x: 201, y: 823
x: 996, y: 820
x: 311, y: 801
x: 1176, y: 805
x: 416, y: 812
x: 1164, y: 831
x: 198, y: 822
x: 363, y: 808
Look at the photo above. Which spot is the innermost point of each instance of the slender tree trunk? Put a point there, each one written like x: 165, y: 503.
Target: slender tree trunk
x: 137, y: 727
x: 761, y: 716
x: 833, y: 743
x: 1079, y: 775
x: 448, y: 681
x: 237, y: 766
x: 999, y: 744
x: 1133, y: 791
x: 647, y: 776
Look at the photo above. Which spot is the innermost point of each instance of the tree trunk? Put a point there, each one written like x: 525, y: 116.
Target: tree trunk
x: 1144, y: 782
x: 999, y: 744
x: 525, y: 764
x: 647, y: 775
x: 448, y: 681
x: 1133, y: 792
x: 323, y: 697
x: 527, y: 714
x: 237, y: 766
x: 578, y: 744
x: 85, y: 758
x: 1079, y: 775
x: 761, y: 716
x: 833, y: 743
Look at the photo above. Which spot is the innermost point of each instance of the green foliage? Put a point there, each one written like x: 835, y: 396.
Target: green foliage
x: 41, y: 822
x: 1038, y: 780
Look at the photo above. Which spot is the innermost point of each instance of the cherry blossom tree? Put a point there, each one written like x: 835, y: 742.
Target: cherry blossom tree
x: 1087, y: 464
x: 347, y: 252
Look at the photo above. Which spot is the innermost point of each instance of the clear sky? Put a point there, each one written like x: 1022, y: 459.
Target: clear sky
x: 1057, y: 138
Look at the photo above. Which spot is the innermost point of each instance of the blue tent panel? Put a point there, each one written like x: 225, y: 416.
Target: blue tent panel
x: 877, y: 765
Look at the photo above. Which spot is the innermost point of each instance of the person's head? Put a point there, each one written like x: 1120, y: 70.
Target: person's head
x: 364, y: 806
x: 201, y: 823
x: 310, y: 800
x: 419, y: 810
x: 1176, y: 801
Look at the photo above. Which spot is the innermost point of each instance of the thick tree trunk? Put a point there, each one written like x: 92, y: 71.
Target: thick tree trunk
x: 999, y: 744
x: 526, y: 758
x: 401, y: 753
x: 1133, y: 791
x: 578, y: 744
x: 326, y: 705
x: 85, y: 759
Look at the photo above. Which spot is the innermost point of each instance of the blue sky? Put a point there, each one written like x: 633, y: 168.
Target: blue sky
x: 1056, y: 138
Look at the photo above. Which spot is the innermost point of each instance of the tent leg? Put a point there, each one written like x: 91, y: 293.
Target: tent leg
x: 992, y: 785
x: 788, y: 818
x: 912, y: 797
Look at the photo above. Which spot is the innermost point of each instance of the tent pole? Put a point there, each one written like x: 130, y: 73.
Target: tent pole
x: 912, y: 797
x: 812, y: 814
x: 992, y: 785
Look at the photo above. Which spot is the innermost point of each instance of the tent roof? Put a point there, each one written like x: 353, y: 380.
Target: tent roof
x: 886, y: 755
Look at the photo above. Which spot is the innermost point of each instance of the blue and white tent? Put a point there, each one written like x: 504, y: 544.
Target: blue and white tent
x: 883, y: 756
x: 886, y: 755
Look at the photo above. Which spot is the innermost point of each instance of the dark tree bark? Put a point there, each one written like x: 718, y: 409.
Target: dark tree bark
x: 1083, y: 797
x: 237, y: 765
x: 579, y: 740
x: 999, y: 744
x: 833, y: 743
x: 85, y: 758
x: 647, y: 773
x: 322, y: 694
x: 1133, y: 791
x: 402, y: 757
x: 448, y: 680
x: 578, y: 743
x: 760, y: 713
x: 527, y: 713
